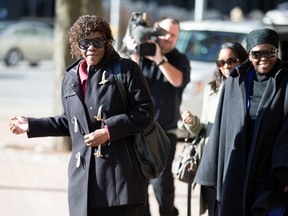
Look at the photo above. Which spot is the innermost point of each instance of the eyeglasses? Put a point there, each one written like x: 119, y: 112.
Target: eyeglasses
x: 85, y: 43
x: 220, y: 62
x: 265, y: 53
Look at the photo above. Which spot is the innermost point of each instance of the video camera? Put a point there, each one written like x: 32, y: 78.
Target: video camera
x: 141, y: 32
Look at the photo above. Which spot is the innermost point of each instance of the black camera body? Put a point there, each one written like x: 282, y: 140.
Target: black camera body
x: 141, y: 32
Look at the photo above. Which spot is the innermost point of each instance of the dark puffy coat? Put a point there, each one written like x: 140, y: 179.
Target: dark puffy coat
x: 118, y: 177
x: 245, y: 182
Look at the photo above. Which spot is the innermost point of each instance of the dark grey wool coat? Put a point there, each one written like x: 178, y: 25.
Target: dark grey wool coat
x: 244, y: 178
x: 117, y: 176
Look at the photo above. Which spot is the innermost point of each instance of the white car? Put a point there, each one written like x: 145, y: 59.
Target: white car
x: 25, y: 40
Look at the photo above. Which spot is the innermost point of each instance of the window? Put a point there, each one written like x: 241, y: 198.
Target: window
x: 203, y: 45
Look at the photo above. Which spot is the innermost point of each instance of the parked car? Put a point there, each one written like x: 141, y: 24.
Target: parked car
x: 200, y: 42
x: 25, y: 40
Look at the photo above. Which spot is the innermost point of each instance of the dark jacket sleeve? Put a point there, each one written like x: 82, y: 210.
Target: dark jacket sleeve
x: 50, y: 126
x: 281, y: 173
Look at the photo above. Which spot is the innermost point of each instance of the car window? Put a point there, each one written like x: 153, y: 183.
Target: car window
x: 203, y: 45
x: 4, y: 25
x: 44, y: 32
x: 25, y: 31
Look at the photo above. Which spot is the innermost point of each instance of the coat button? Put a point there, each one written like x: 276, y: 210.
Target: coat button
x: 78, y: 157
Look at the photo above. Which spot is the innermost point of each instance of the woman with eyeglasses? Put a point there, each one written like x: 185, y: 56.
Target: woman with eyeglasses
x: 104, y: 174
x: 246, y: 156
x: 230, y: 54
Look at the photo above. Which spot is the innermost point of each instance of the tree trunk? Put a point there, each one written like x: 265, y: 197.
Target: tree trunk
x: 67, y: 12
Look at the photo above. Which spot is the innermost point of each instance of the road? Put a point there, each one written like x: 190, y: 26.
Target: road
x: 26, y: 85
x: 27, y: 91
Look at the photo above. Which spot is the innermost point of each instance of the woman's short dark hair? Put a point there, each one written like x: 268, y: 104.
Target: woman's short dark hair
x: 238, y: 51
x: 83, y: 27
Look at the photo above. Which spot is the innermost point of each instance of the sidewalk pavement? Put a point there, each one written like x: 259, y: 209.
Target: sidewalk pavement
x: 33, y: 178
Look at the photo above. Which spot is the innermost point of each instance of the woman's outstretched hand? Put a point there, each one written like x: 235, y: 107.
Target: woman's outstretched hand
x: 18, y: 124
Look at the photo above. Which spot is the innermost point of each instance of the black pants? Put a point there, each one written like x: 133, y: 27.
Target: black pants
x: 126, y: 210
x: 209, y: 194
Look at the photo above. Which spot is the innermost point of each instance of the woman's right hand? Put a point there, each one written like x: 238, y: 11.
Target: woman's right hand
x: 188, y: 117
x: 18, y: 124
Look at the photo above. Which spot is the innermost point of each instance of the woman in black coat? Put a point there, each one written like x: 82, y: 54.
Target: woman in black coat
x: 246, y: 157
x: 104, y: 175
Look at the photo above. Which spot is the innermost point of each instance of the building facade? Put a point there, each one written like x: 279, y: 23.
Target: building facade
x: 18, y: 9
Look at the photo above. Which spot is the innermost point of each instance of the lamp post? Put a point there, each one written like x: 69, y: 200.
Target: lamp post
x: 114, y: 21
x: 199, y: 9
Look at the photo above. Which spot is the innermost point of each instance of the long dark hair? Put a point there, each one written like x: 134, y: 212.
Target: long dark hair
x: 238, y: 51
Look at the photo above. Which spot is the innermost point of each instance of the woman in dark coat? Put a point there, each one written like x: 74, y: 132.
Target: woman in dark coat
x: 246, y: 157
x: 104, y: 176
x: 230, y: 54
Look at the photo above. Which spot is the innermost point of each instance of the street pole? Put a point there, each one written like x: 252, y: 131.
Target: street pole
x: 200, y: 6
x: 114, y: 21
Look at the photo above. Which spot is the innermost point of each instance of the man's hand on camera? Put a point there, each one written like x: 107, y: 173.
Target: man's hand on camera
x: 157, y: 58
x: 131, y: 44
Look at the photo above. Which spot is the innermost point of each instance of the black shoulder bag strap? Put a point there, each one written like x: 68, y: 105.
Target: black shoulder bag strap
x: 120, y: 83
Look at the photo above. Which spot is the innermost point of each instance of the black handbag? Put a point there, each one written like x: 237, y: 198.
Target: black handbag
x: 152, y: 146
x: 186, y: 163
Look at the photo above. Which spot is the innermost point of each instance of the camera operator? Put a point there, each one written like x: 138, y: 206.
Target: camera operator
x: 167, y: 74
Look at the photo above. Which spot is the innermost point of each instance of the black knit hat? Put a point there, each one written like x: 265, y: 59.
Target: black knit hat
x: 261, y: 36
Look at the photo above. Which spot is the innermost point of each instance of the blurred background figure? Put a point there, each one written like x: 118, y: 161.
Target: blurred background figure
x: 167, y: 73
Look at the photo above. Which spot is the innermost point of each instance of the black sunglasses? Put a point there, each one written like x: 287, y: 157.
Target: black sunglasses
x: 265, y: 53
x: 85, y: 43
x: 229, y: 61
